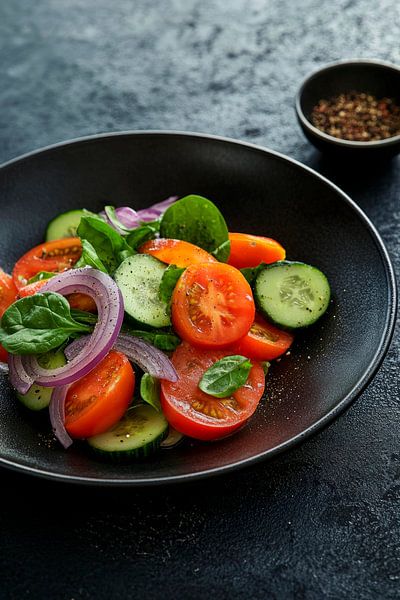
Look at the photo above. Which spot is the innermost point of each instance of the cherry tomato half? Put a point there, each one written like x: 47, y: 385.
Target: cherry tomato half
x: 212, y: 305
x: 264, y: 341
x: 98, y: 400
x: 197, y: 414
x: 8, y: 294
x: 176, y: 252
x: 56, y: 256
x: 251, y: 250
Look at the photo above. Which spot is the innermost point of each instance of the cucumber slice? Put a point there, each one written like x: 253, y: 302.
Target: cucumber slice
x: 38, y: 397
x: 291, y: 294
x: 138, y: 434
x: 64, y: 225
x: 139, y: 277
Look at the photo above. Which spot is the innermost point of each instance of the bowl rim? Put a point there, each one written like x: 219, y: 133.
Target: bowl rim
x: 305, y: 122
x: 369, y: 371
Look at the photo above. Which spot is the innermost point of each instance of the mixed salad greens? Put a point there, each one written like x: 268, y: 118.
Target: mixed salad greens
x: 167, y: 296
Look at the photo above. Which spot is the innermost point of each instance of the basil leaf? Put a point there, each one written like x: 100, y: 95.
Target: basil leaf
x: 225, y: 376
x: 89, y: 257
x: 168, y: 282
x: 41, y: 276
x: 160, y: 339
x: 143, y: 234
x: 197, y: 220
x: 150, y: 391
x: 37, y: 324
x: 250, y: 273
x: 107, y: 243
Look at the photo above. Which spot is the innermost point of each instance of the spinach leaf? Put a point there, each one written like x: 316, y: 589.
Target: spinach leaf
x: 250, y: 273
x: 164, y: 340
x: 197, y: 220
x: 225, y: 376
x: 41, y: 276
x: 37, y: 324
x: 150, y: 391
x: 142, y: 234
x: 110, y: 247
x: 82, y: 316
x: 90, y: 258
x: 168, y: 282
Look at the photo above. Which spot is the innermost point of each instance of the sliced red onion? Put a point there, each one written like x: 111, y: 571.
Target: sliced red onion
x: 57, y: 415
x: 4, y: 367
x: 124, y: 219
x: 18, y: 376
x: 110, y: 307
x: 147, y: 357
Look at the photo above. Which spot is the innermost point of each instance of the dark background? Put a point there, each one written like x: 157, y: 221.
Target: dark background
x: 321, y: 521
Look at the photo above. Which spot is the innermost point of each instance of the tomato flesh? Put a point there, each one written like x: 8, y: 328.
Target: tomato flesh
x: 97, y: 401
x: 264, y: 341
x: 176, y: 252
x: 8, y: 294
x: 212, y: 305
x: 54, y: 257
x: 251, y: 250
x: 197, y: 414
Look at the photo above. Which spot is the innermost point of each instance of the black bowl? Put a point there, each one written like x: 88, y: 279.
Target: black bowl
x: 375, y: 77
x: 258, y: 191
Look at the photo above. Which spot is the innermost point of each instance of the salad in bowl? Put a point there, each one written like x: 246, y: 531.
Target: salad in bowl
x: 136, y: 329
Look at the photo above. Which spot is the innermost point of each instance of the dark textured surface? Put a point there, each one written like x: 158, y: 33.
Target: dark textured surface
x: 321, y: 521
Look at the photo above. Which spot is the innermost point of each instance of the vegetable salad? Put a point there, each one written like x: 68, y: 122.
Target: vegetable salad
x: 137, y: 328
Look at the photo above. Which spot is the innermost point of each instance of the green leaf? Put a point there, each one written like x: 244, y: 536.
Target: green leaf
x: 89, y: 257
x: 150, y: 391
x: 41, y: 276
x: 250, y: 273
x: 225, y: 376
x: 82, y: 316
x: 197, y: 220
x: 157, y: 337
x: 37, y: 324
x: 106, y: 242
x: 223, y: 251
x: 266, y: 366
x: 143, y: 234
x: 168, y: 282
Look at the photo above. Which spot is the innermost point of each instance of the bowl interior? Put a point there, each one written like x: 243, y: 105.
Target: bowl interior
x: 258, y: 192
x: 376, y: 79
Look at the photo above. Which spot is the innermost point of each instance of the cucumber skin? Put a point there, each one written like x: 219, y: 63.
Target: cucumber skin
x: 147, y: 448
x: 265, y: 313
x: 128, y: 455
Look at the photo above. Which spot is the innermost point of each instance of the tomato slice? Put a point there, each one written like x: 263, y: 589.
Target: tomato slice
x: 176, y: 252
x: 31, y: 288
x: 54, y: 257
x: 98, y: 400
x: 264, y: 341
x: 8, y: 294
x: 251, y: 250
x: 197, y: 414
x: 212, y: 305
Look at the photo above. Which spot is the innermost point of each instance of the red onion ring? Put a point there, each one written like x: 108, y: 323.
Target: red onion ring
x: 147, y: 357
x: 57, y: 415
x: 18, y: 376
x: 110, y: 307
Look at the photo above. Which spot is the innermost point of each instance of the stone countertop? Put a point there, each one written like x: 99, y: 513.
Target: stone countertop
x: 321, y: 521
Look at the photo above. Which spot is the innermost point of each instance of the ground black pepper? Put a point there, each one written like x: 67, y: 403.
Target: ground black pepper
x: 358, y: 117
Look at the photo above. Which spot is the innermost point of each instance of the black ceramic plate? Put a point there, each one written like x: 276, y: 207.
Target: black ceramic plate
x: 258, y: 191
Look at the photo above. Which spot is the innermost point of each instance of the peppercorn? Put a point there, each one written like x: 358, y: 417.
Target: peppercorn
x: 358, y: 117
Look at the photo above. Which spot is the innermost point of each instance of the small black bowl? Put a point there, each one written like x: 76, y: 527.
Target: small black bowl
x: 371, y: 76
